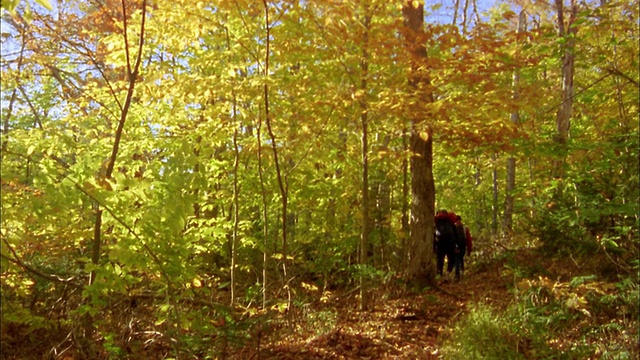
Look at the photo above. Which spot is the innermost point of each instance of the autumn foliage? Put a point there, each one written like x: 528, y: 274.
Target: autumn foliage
x: 239, y: 179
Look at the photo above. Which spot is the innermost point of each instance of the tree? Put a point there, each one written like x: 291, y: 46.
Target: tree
x: 421, y: 265
x: 306, y: 134
x: 567, y: 32
x: 511, y: 161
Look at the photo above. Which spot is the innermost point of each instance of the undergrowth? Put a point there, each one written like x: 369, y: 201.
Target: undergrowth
x: 582, y: 317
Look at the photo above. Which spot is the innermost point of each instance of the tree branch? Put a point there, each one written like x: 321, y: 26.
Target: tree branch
x: 613, y: 71
x: 579, y: 92
x: 17, y: 261
x: 132, y: 82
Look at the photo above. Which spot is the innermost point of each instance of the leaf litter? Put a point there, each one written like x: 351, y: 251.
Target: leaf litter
x: 401, y: 325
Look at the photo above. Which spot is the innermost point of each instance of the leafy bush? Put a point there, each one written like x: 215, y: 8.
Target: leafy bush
x: 486, y: 334
x: 582, y: 318
x: 321, y: 322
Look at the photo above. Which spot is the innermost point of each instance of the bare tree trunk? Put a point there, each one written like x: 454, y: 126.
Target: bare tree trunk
x: 494, y: 207
x: 236, y: 188
x: 479, y: 199
x: 563, y: 117
x: 421, y: 265
x: 456, y: 9
x: 274, y: 146
x: 236, y: 220
x: 382, y: 203
x: 507, y: 224
x: 14, y: 94
x: 132, y: 75
x: 265, y: 218
x: 364, y: 236
x: 405, y: 203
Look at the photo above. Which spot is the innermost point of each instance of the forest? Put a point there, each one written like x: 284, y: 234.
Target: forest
x: 245, y: 179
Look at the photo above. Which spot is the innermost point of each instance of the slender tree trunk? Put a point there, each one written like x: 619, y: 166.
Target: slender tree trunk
x: 14, y: 94
x: 507, y: 220
x: 494, y: 207
x: 382, y: 204
x: 563, y: 117
x: 464, y: 16
x: 421, y: 264
x: 265, y: 217
x: 456, y: 9
x: 479, y: 199
x: 507, y: 224
x: 236, y: 188
x: 274, y: 146
x: 364, y: 236
x: 405, y: 203
x: 236, y: 220
x: 132, y: 75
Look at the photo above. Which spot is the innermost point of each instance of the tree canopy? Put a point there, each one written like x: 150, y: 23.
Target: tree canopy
x: 224, y: 159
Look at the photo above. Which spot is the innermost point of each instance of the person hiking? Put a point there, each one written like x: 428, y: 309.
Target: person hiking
x: 464, y: 245
x: 445, y: 241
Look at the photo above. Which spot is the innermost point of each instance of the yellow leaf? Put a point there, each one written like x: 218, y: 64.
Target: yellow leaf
x: 45, y: 3
x: 311, y: 287
x: 508, y: 15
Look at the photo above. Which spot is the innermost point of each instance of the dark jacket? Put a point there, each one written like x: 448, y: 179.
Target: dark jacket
x: 445, y: 231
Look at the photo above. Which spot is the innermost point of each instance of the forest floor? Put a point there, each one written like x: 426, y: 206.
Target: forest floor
x: 402, y: 324
x: 417, y: 324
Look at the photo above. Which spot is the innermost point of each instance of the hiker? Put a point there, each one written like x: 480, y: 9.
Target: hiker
x: 445, y: 241
x: 463, y: 246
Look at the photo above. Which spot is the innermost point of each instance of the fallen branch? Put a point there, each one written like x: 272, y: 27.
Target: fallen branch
x: 347, y: 293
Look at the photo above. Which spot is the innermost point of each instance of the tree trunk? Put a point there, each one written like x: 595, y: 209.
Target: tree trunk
x: 507, y: 224
x: 236, y: 219
x: 405, y: 203
x: 421, y: 263
x: 479, y: 198
x: 496, y: 192
x: 382, y: 204
x: 364, y: 236
x: 265, y: 217
x: 274, y: 147
x: 7, y: 116
x: 105, y: 174
x: 563, y: 117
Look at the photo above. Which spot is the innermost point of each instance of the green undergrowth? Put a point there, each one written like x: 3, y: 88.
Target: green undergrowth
x: 552, y: 315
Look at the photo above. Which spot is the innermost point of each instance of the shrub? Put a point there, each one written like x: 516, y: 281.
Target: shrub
x: 486, y: 334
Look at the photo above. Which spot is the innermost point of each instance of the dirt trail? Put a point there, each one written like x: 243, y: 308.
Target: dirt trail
x: 402, y: 326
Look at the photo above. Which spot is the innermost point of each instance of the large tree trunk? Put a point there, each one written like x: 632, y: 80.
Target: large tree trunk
x: 421, y: 263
